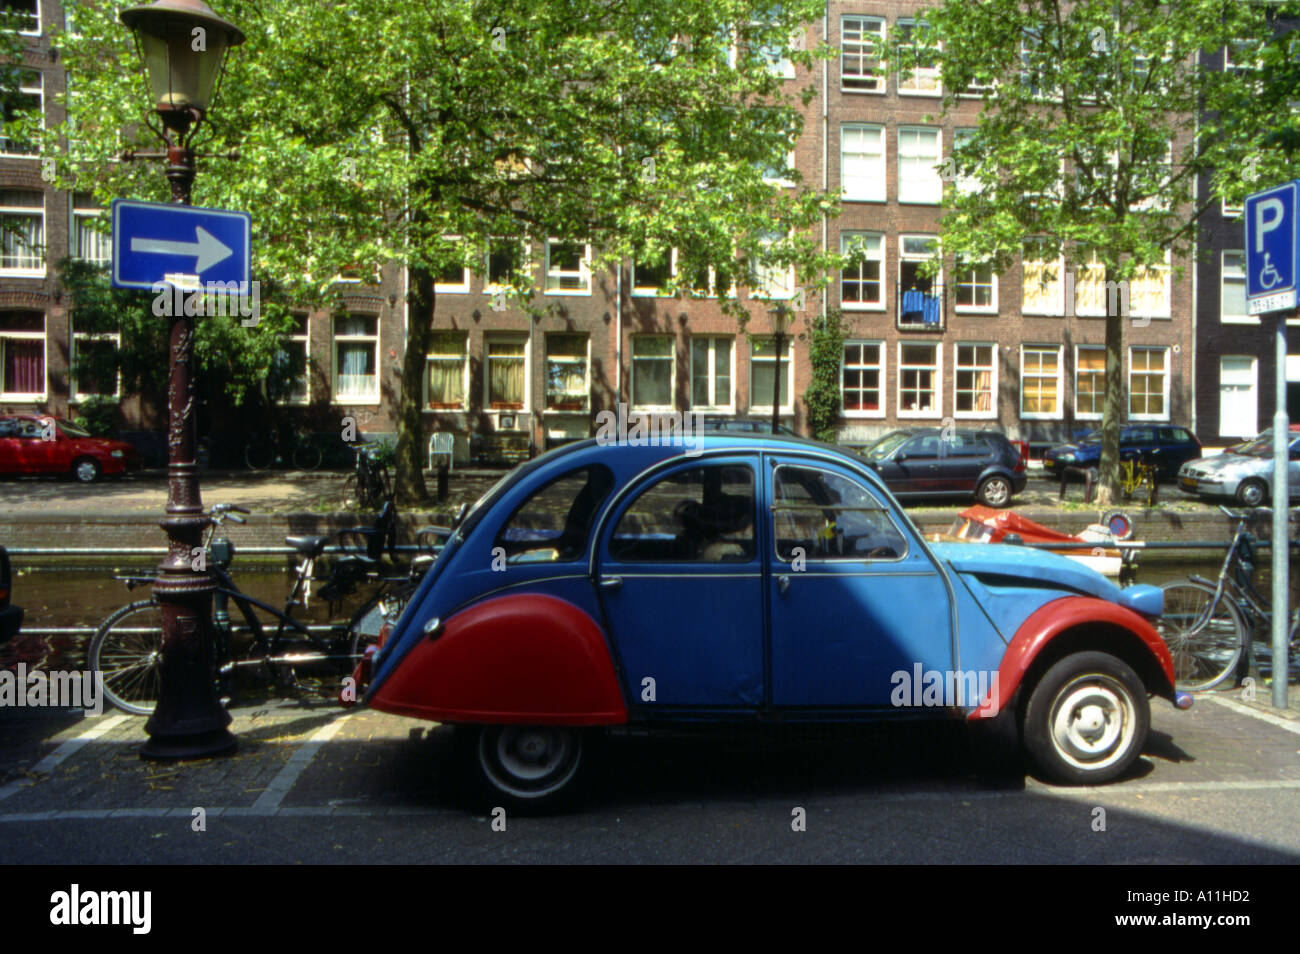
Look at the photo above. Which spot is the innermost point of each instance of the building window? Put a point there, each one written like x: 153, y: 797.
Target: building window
x: 918, y: 379
x: 22, y: 233
x: 507, y: 373
x: 861, y: 280
x: 653, y: 378
x: 1089, y: 382
x: 86, y: 243
x: 919, y: 155
x: 920, y: 300
x: 567, y: 386
x: 288, y: 374
x: 976, y: 288
x: 764, y: 375
x: 862, y: 376
x: 1040, y: 382
x: 1091, y: 294
x: 1042, y: 287
x: 711, y: 373
x: 650, y: 275
x: 859, y: 69
x: 356, y: 359
x: 862, y: 162
x: 446, y: 371
x: 962, y: 184
x: 1148, y: 384
x: 26, y: 98
x: 29, y: 12
x: 1238, y: 396
x: 1232, y: 290
x: 506, y: 258
x: 22, y: 356
x: 770, y: 279
x: 1149, y: 292
x: 452, y: 278
x: 567, y: 268
x: 976, y: 380
x: 94, y: 365
x: 922, y: 63
x: 773, y: 54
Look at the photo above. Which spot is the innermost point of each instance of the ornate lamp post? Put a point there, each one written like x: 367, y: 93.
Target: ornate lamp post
x: 780, y: 319
x: 183, y: 45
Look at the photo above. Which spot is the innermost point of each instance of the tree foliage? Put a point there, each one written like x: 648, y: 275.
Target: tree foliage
x: 826, y: 354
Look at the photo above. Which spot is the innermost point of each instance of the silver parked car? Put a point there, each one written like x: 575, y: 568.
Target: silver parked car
x: 1245, y: 476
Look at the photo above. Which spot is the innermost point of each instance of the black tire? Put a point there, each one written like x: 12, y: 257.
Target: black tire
x: 127, y: 649
x: 1205, y: 642
x: 995, y: 491
x: 527, y: 769
x: 306, y: 456
x: 1086, y: 720
x: 259, y: 455
x: 351, y: 499
x: 86, y: 470
x: 1252, y: 492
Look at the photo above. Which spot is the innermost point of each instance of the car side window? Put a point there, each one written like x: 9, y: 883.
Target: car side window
x: 554, y: 524
x: 701, y: 515
x: 8, y: 428
x: 927, y: 446
x: 30, y: 430
x: 1175, y: 435
x: 968, y: 445
x: 819, y: 515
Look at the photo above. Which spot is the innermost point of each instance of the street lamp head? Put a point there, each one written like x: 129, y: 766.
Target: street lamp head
x: 780, y: 313
x: 183, y: 45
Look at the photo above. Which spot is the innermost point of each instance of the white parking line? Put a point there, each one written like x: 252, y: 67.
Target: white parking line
x: 68, y: 748
x: 1289, y: 724
x: 269, y: 801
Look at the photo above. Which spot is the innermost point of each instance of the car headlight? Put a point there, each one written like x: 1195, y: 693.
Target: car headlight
x: 116, y: 453
x: 1066, y: 456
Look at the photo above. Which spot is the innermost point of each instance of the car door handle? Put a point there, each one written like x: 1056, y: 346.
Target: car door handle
x: 782, y: 584
x: 610, y: 582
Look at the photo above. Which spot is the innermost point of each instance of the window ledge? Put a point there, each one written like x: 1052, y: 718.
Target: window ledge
x: 876, y: 308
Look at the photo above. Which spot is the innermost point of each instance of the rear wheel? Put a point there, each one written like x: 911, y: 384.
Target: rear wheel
x: 259, y: 455
x: 529, y: 768
x: 86, y: 469
x: 1205, y: 640
x: 127, y: 650
x: 994, y: 491
x: 306, y: 455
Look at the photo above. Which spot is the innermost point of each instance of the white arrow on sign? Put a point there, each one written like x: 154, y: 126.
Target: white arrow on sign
x: 207, y: 249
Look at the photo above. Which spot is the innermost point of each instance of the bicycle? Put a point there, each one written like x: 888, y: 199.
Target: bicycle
x: 1135, y: 473
x: 270, y: 447
x: 368, y: 486
x: 1207, y: 626
x: 127, y: 646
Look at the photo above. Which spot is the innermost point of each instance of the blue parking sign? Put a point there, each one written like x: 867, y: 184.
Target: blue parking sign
x: 1272, y: 249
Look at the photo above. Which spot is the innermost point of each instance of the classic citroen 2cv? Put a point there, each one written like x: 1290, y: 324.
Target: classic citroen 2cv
x: 750, y: 579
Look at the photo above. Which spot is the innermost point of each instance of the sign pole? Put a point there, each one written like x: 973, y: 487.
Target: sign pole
x: 1281, y: 538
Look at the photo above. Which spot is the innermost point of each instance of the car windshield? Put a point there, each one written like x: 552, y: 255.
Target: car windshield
x: 887, y: 444
x: 1092, y: 437
x: 1262, y: 446
x: 72, y: 430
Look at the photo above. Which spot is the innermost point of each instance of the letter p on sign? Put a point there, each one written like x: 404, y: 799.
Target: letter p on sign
x: 1268, y: 216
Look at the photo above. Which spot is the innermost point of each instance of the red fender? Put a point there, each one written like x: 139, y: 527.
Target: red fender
x: 1053, y: 618
x: 525, y: 658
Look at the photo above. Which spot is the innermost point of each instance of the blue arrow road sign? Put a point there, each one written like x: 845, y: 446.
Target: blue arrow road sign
x: 153, y: 240
x: 1272, y: 248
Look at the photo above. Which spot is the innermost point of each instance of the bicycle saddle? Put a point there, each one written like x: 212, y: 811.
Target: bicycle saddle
x: 308, y: 546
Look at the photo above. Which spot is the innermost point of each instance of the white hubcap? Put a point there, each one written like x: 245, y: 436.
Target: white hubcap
x: 1093, y: 721
x: 531, y: 761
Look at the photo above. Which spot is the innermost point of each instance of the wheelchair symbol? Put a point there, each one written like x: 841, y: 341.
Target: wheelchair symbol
x: 1268, y: 275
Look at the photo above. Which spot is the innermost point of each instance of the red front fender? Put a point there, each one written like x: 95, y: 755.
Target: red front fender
x: 526, y: 658
x: 1054, y: 618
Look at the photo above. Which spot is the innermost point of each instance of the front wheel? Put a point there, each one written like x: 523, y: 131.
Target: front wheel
x: 259, y: 455
x: 306, y: 456
x: 1204, y: 635
x: 994, y: 492
x: 127, y: 650
x: 1252, y: 492
x: 86, y: 470
x: 1086, y: 720
x: 529, y: 768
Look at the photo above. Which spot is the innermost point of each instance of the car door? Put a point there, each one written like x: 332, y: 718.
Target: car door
x: 852, y: 597
x: 36, y: 446
x: 9, y: 443
x: 965, y: 456
x: 680, y: 576
x: 914, y: 468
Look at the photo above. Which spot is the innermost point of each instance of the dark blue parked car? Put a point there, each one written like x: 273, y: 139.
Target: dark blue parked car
x: 1168, y: 446
x: 750, y: 579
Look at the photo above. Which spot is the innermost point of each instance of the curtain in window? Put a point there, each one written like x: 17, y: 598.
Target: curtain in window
x: 983, y: 383
x: 22, y: 239
x: 354, y: 365
x: 506, y: 377
x: 445, y: 382
x: 1042, y: 287
x: 24, y: 366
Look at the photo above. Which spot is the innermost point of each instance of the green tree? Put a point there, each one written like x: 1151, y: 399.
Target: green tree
x: 1089, y: 143
x: 826, y: 354
x: 370, y: 132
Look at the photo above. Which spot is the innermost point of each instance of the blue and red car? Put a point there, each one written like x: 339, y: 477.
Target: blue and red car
x: 747, y: 580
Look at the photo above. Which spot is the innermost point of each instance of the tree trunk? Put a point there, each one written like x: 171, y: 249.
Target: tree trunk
x: 411, y: 455
x: 1112, y: 418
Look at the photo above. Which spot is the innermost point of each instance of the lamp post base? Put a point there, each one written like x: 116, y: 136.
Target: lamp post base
x: 205, y: 745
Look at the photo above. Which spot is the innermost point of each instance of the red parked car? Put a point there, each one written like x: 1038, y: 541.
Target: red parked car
x: 32, y: 444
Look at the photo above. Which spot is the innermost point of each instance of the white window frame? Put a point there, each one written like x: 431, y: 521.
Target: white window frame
x: 1231, y: 211
x: 29, y: 211
x: 77, y: 395
x: 784, y: 67
x: 992, y: 367
x: 586, y: 371
x: 335, y: 340
x: 915, y: 189
x: 788, y: 343
x: 881, y: 369
x: 772, y: 281
x: 870, y: 185
x: 937, y: 368
x: 730, y: 406
x: 491, y: 287
x: 77, y: 217
x: 557, y: 276
x: 1164, y: 376
x: 846, y: 240
x: 905, y: 256
x: 1254, y: 390
x: 1055, y: 310
x: 305, y: 340
x: 37, y: 31
x: 1060, y: 382
x: 1164, y: 308
x: 36, y: 89
x: 861, y: 51
x: 672, y: 372
x: 923, y: 74
x: 490, y: 339
x: 447, y: 357
x: 1080, y: 415
x: 655, y: 291
x: 959, y: 268
x: 23, y: 397
x: 1242, y: 319
x: 459, y: 288
x: 963, y: 184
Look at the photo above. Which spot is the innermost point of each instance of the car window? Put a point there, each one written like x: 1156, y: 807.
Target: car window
x: 701, y: 515
x: 31, y: 430
x: 1175, y: 435
x: 969, y: 445
x: 8, y: 427
x: 820, y: 515
x: 1140, y: 435
x: 553, y: 524
x: 886, y: 445
x: 927, y: 446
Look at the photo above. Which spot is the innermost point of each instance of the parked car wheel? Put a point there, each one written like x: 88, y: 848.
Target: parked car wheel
x: 1086, y: 720
x: 86, y: 469
x: 530, y: 768
x: 994, y: 492
x: 1252, y: 492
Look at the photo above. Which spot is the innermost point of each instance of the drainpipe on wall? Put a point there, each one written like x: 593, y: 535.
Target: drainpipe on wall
x: 618, y: 330
x: 826, y: 36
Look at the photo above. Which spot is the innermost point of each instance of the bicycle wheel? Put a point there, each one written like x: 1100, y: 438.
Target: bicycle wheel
x: 1206, y: 641
x: 351, y: 496
x: 259, y: 454
x: 127, y: 650
x: 366, y: 623
x: 306, y: 455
